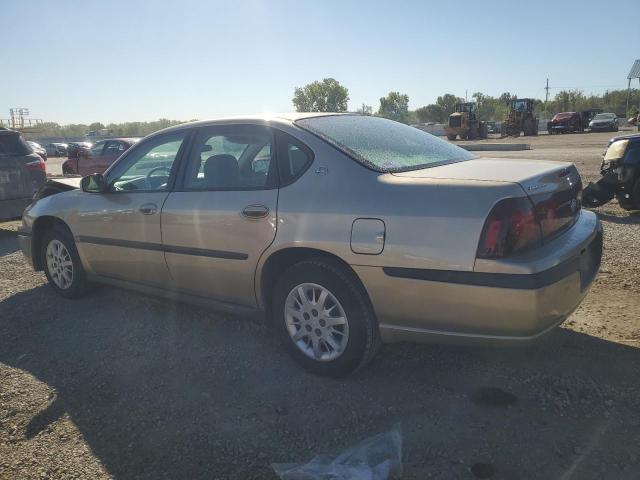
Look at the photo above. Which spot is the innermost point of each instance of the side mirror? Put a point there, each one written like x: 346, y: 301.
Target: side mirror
x: 95, y: 183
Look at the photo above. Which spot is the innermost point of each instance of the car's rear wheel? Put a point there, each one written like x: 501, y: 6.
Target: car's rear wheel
x: 62, y: 264
x: 324, y: 318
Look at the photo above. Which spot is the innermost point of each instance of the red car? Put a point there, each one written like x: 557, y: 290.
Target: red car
x: 98, y: 157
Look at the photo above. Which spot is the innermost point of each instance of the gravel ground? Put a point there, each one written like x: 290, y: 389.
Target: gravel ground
x: 121, y: 385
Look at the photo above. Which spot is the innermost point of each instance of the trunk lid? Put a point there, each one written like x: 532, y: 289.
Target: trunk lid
x: 554, y: 188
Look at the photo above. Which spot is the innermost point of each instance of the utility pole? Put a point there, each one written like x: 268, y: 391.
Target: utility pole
x: 546, y: 99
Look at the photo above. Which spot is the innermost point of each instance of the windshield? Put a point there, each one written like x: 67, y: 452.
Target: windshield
x: 604, y: 116
x: 384, y: 145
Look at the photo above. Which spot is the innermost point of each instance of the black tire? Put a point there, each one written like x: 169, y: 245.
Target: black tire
x: 363, y: 339
x: 78, y: 285
x: 451, y: 137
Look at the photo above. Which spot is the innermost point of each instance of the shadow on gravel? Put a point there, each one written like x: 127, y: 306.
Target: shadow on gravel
x: 8, y: 242
x: 632, y: 218
x: 160, y: 390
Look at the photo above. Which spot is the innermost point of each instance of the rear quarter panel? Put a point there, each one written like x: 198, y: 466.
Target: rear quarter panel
x: 429, y: 223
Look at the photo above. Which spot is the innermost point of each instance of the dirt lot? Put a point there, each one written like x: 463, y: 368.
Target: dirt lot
x: 120, y: 385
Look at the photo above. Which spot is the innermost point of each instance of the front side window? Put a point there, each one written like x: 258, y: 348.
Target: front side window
x: 149, y: 166
x: 235, y: 157
x: 384, y: 145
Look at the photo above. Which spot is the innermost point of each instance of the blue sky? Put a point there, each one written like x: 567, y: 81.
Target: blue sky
x: 73, y: 61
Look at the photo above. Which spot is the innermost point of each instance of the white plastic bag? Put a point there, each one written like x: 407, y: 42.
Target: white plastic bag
x: 376, y: 458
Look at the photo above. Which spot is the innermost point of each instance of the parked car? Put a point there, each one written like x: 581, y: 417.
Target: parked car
x: 494, y: 127
x: 75, y: 149
x: 39, y: 149
x: 565, y: 122
x: 603, y: 122
x: 56, y: 149
x: 97, y: 157
x: 572, y: 122
x: 22, y: 173
x: 344, y: 230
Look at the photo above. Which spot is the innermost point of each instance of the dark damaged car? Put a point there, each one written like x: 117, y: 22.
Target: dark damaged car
x: 22, y: 173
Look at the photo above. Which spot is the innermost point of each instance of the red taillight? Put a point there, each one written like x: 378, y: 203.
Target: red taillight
x: 510, y: 228
x: 37, y: 165
x: 557, y: 211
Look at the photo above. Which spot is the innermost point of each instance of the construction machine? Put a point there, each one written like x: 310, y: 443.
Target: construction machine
x: 520, y: 119
x: 464, y: 123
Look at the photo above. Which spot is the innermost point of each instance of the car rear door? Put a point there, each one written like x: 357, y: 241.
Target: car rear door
x: 222, y: 215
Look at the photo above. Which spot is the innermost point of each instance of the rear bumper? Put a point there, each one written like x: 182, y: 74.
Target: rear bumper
x: 425, y: 305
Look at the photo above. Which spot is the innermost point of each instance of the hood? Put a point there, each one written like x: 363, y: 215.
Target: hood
x: 532, y: 175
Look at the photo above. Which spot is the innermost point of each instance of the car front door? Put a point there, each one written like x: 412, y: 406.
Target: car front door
x: 222, y: 214
x: 118, y: 231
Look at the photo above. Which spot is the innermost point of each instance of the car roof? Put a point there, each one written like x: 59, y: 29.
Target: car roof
x: 260, y: 118
x: 6, y: 131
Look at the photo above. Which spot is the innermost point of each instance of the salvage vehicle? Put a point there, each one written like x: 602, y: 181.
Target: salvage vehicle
x: 22, y: 173
x: 565, y: 122
x: 343, y: 230
x: 572, y: 122
x: 97, y: 157
x: 620, y: 172
x: 604, y: 122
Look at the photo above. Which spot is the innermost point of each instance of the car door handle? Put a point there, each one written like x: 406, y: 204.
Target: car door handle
x: 148, y: 209
x: 255, y: 211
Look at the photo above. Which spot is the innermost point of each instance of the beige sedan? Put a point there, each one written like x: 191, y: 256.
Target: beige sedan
x: 344, y: 230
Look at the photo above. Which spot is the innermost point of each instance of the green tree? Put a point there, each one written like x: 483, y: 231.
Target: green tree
x: 395, y: 106
x: 430, y: 113
x: 327, y: 95
x: 447, y: 102
x: 95, y: 126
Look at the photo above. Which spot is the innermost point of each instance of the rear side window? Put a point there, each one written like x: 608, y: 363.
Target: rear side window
x: 293, y: 158
x: 13, y: 145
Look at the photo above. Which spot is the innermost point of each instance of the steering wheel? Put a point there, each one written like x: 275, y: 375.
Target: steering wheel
x: 156, y: 169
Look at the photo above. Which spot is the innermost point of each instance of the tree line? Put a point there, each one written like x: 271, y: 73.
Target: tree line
x: 126, y: 129
x: 328, y: 95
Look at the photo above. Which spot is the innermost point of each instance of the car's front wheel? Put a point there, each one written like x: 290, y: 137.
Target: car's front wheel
x: 324, y: 319
x: 62, y: 264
